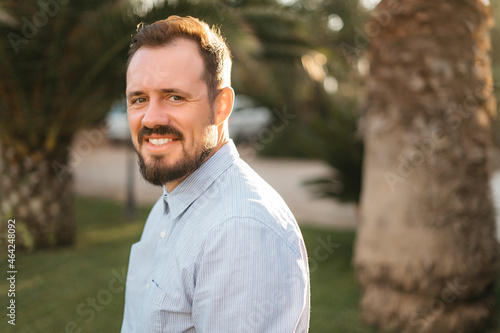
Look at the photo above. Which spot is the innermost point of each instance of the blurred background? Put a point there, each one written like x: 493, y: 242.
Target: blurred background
x: 306, y: 81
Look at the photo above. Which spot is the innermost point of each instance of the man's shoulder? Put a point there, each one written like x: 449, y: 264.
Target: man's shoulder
x: 244, y: 196
x: 242, y: 188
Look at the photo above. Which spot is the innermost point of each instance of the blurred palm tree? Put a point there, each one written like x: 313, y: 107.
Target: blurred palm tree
x: 426, y: 248
x: 62, y: 65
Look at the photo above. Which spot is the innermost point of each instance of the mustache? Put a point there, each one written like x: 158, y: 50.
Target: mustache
x: 161, y: 130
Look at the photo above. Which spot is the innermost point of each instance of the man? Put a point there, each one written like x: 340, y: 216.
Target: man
x: 220, y: 251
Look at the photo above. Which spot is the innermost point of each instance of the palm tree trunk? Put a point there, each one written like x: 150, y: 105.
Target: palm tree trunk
x: 36, y: 191
x: 426, y: 254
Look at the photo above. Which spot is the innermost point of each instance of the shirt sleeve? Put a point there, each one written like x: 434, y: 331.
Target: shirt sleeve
x: 250, y: 279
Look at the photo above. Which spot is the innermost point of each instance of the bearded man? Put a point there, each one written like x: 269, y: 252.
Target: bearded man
x: 220, y: 251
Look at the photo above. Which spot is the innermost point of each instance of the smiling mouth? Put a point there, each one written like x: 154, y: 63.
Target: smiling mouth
x: 160, y: 142
x: 159, y: 137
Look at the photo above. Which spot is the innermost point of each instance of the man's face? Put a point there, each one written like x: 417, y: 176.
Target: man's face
x: 171, y: 119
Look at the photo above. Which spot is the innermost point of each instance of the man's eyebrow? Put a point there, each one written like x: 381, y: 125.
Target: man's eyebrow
x: 175, y: 91
x: 134, y: 93
x: 164, y: 91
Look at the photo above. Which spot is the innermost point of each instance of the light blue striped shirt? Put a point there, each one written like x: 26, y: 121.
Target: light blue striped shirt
x: 220, y: 253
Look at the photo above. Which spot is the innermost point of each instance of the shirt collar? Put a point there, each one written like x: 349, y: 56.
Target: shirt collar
x: 184, y: 194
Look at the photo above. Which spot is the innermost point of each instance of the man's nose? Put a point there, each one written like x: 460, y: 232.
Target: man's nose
x: 156, y: 115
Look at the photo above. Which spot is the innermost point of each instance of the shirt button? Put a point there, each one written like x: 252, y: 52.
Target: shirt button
x: 163, y: 234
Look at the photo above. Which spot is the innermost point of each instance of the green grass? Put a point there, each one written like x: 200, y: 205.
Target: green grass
x: 56, y: 289
x: 52, y: 285
x: 334, y: 291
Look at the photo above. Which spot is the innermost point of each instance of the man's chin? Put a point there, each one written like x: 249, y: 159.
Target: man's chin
x: 153, y: 169
x: 158, y: 170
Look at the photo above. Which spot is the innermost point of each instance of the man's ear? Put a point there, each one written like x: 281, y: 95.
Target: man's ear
x: 224, y: 103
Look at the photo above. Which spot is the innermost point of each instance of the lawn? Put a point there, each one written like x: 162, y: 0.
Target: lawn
x: 80, y: 289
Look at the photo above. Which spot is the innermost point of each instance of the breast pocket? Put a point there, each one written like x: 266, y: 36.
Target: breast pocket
x: 168, y: 310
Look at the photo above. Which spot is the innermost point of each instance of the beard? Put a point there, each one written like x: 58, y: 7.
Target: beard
x: 158, y: 172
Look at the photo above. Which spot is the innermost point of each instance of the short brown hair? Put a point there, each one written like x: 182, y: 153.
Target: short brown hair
x: 213, y: 49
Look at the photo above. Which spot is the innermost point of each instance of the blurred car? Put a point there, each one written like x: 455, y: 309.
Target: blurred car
x: 245, y: 122
x: 247, y: 119
x: 117, y: 123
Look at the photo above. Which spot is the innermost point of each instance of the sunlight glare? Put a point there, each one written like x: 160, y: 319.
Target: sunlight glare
x: 335, y: 23
x: 369, y: 4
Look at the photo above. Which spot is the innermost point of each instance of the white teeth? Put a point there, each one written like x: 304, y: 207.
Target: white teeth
x: 160, y: 142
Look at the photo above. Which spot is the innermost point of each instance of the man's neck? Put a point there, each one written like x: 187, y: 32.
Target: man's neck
x: 173, y: 184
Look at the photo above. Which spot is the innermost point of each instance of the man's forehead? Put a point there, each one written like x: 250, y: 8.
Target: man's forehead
x: 179, y: 59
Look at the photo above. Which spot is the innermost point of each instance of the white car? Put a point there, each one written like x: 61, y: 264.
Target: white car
x: 117, y: 122
x: 247, y: 119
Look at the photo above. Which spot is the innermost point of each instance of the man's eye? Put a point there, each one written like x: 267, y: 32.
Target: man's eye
x: 139, y: 100
x: 176, y: 98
